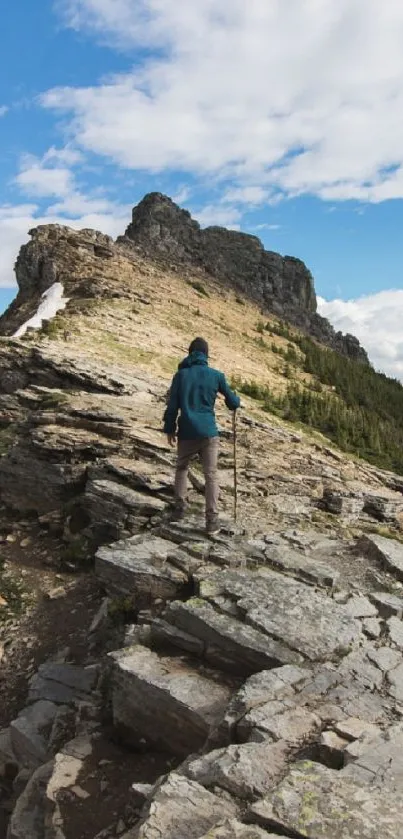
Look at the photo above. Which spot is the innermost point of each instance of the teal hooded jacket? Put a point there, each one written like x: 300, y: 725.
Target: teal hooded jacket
x: 193, y: 394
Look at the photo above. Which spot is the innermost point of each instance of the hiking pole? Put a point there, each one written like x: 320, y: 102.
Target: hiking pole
x: 235, y: 467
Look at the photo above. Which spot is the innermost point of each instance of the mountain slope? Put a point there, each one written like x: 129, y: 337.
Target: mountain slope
x: 140, y: 300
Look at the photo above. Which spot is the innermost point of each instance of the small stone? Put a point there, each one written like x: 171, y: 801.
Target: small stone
x: 331, y: 747
x: 80, y: 792
x: 3, y: 601
x: 341, y: 596
x: 104, y: 785
x: 361, y: 607
x: 354, y: 728
x: 141, y: 792
x: 25, y: 542
x: 120, y: 827
x: 56, y: 593
x: 10, y: 538
x: 372, y: 627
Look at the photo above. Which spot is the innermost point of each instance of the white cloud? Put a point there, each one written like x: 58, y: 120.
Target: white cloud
x: 182, y: 195
x: 376, y: 319
x: 215, y: 215
x: 304, y: 96
x: 39, y: 180
x: 3, y: 110
x: 252, y: 195
x: 266, y: 226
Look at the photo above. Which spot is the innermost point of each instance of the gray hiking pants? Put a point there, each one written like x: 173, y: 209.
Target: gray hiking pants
x: 207, y: 450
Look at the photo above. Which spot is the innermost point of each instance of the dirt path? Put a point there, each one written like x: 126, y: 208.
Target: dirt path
x: 54, y: 610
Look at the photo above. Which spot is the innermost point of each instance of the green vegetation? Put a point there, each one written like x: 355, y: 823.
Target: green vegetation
x: 199, y: 287
x: 78, y: 553
x: 85, y: 305
x: 7, y: 436
x: 12, y: 594
x: 121, y: 610
x: 357, y: 408
x: 53, y: 328
x: 52, y: 400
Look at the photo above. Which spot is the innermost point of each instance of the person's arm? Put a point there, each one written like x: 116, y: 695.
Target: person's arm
x: 172, y: 410
x: 232, y: 401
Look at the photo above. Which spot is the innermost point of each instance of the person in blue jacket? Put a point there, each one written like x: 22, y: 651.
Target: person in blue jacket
x: 190, y: 420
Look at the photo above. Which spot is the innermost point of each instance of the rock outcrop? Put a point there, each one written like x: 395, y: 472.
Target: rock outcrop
x: 281, y: 285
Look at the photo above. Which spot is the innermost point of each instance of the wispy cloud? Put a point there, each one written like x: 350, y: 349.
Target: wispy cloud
x: 182, y: 195
x: 217, y: 215
x: 376, y: 319
x: 328, y: 122
x: 3, y: 110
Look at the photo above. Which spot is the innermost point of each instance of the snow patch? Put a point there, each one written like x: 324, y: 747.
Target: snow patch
x: 52, y: 302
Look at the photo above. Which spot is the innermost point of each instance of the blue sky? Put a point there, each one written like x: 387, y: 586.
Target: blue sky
x: 283, y: 122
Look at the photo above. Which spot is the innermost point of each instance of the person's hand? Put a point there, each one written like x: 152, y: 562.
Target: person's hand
x: 172, y: 440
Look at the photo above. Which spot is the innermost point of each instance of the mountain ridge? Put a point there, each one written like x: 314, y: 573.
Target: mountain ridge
x: 164, y: 233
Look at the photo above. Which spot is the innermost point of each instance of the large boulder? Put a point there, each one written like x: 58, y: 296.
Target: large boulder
x: 162, y: 700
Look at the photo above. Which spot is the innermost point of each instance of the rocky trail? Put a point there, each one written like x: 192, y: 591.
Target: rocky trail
x: 155, y: 682
x: 249, y: 685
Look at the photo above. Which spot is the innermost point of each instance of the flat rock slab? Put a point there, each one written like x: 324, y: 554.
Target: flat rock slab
x: 163, y: 701
x: 192, y: 528
x: 290, y: 561
x: 317, y: 802
x: 247, y: 771
x: 233, y: 829
x: 114, y: 509
x: 30, y: 732
x: 387, y: 604
x: 181, y: 809
x: 27, y: 819
x: 266, y: 686
x: 139, y: 567
x: 280, y: 721
x: 62, y: 683
x: 228, y: 642
x: 395, y: 678
x: 388, y: 552
x: 378, y: 759
x: 306, y: 622
x: 385, y: 658
x: 107, y: 495
x: 361, y: 607
x: 395, y: 631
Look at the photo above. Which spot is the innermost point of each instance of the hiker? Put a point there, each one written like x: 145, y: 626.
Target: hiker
x: 192, y: 395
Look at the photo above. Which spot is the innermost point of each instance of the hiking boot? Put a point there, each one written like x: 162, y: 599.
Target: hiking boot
x: 213, y: 526
x: 178, y: 511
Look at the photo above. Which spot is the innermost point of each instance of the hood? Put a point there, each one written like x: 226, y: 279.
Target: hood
x: 193, y: 359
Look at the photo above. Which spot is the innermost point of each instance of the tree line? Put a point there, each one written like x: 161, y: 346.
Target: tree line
x: 348, y: 401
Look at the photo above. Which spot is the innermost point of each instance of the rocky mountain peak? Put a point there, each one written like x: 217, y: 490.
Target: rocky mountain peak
x: 160, y: 228
x: 279, y: 284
